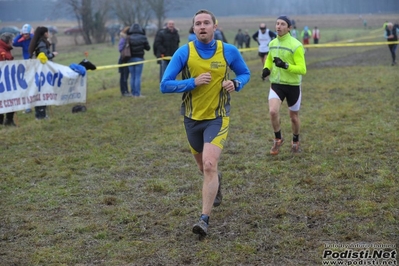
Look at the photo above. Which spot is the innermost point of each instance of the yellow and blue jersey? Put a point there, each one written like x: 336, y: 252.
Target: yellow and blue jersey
x: 206, y: 101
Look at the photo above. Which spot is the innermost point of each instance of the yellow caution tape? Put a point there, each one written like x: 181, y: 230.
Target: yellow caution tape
x: 133, y: 63
x: 339, y: 44
x: 349, y: 43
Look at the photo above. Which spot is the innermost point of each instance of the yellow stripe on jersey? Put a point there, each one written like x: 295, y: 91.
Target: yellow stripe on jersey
x: 207, y: 101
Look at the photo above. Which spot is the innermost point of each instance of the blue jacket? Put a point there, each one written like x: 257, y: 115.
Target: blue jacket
x: 18, y: 42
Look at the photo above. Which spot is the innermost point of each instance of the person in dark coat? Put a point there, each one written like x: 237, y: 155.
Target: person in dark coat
x: 247, y: 39
x: 124, y: 71
x: 239, y: 39
x: 391, y: 34
x: 138, y: 43
x: 166, y: 43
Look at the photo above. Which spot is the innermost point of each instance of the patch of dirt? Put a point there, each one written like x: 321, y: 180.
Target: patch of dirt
x: 375, y: 56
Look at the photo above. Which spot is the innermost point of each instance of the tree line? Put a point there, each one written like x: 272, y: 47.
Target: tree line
x: 92, y: 15
x: 308, y: 7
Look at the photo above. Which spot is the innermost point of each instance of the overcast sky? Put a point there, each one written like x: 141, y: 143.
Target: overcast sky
x: 36, y: 10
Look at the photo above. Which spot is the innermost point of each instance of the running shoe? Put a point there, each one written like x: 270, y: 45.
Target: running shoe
x: 277, y: 143
x: 200, y: 228
x: 295, y: 147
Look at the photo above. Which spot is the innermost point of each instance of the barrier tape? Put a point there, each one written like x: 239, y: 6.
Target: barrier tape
x: 134, y: 63
x: 339, y: 44
x: 349, y: 43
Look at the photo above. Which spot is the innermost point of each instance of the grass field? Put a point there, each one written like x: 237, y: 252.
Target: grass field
x: 117, y: 185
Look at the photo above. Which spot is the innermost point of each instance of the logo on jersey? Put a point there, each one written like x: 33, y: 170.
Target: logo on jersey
x: 217, y: 65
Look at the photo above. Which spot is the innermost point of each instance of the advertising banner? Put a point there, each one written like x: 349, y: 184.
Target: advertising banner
x: 28, y: 83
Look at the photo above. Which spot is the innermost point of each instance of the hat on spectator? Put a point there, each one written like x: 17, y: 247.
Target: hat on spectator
x: 26, y: 29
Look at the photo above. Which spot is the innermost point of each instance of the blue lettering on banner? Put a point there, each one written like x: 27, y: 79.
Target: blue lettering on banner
x: 39, y: 80
x: 13, y: 76
x: 20, y: 76
x: 51, y: 79
x: 11, y: 79
x: 76, y: 95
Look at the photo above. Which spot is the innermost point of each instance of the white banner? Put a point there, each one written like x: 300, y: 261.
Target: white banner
x: 28, y: 83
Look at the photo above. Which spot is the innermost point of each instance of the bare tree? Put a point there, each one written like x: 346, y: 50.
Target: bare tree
x: 91, y: 17
x: 144, y: 12
x: 161, y: 8
x: 132, y: 11
x: 125, y: 11
x: 99, y: 20
x: 84, y: 14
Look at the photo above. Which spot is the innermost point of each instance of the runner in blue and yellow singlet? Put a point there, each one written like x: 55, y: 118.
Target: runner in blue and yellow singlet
x: 206, y: 89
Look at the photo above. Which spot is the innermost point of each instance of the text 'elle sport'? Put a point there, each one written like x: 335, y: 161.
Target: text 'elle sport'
x: 13, y: 77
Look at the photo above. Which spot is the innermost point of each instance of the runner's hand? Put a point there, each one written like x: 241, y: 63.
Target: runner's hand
x: 204, y: 78
x: 280, y: 63
x: 265, y: 73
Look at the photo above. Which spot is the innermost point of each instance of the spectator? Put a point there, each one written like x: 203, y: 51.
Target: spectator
x: 365, y: 24
x: 166, y: 43
x: 263, y: 37
x: 384, y: 26
x: 391, y: 34
x: 293, y: 23
x: 112, y: 31
x: 306, y: 35
x: 224, y: 39
x: 156, y: 34
x: 239, y: 39
x: 123, y: 71
x: 23, y: 40
x: 294, y: 32
x: 247, y: 39
x: 316, y: 35
x: 54, y: 41
x: 138, y: 43
x: 191, y: 35
x: 6, y: 40
x: 219, y: 34
x: 40, y: 44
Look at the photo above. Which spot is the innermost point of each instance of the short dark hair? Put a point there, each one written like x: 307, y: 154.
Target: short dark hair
x: 204, y: 11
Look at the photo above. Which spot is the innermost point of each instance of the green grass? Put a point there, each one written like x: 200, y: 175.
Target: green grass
x: 117, y: 185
